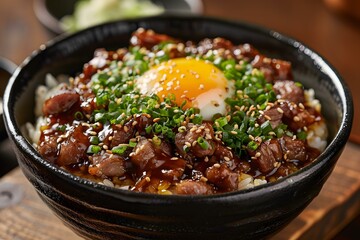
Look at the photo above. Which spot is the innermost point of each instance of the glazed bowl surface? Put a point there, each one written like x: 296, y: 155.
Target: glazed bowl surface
x: 99, y: 212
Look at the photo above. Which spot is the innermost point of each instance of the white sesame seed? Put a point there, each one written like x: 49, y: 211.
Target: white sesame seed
x: 108, y: 183
x: 267, y: 117
x: 193, y: 129
x: 93, y: 133
x: 208, y: 136
x: 280, y: 110
x: 203, y: 179
x: 216, y: 165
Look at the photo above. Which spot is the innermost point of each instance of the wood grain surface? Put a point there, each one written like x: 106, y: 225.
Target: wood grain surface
x: 337, y: 204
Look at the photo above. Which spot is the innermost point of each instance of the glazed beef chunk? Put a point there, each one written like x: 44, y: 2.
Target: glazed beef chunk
x: 187, y: 142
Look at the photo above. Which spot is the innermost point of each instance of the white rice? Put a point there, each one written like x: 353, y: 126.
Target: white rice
x: 317, y: 133
x: 42, y: 93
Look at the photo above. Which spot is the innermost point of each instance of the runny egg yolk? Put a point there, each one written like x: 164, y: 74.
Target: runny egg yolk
x: 198, y: 82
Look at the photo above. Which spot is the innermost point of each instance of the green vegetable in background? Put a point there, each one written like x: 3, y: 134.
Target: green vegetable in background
x: 92, y: 12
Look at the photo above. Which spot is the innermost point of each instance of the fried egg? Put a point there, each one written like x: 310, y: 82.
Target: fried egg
x: 197, y: 82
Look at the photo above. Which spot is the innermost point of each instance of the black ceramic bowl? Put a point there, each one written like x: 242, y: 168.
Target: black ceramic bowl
x: 98, y: 212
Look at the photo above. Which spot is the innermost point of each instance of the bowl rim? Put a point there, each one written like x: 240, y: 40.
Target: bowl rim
x: 333, y: 148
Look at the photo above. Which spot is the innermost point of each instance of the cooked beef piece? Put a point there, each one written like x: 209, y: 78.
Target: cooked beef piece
x: 286, y: 169
x: 222, y: 177
x: 267, y: 154
x: 143, y: 153
x: 190, y: 187
x: 157, y: 159
x: 225, y: 155
x: 48, y: 148
x: 273, y: 115
x: 288, y: 90
x: 148, y: 38
x: 295, y: 117
x: 61, y: 102
x: 107, y: 165
x: 213, y: 44
x: 273, y: 69
x: 245, y: 51
x: 293, y: 149
x: 142, y: 122
x: 122, y: 134
x: 73, y: 149
x: 187, y: 141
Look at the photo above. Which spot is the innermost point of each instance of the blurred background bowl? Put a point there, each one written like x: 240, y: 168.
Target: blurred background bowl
x: 98, y: 212
x: 50, y: 12
x: 7, y: 161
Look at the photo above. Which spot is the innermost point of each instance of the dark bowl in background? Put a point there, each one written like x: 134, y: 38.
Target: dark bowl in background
x: 7, y: 161
x: 50, y: 12
x: 98, y: 212
x: 7, y: 68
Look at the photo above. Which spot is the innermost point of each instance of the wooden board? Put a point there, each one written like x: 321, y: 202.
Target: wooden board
x: 337, y: 204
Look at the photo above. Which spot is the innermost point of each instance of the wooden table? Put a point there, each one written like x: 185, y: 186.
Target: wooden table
x: 336, y: 38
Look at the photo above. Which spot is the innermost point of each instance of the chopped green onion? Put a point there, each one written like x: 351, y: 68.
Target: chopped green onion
x: 92, y: 149
x: 252, y: 145
x: 132, y: 143
x: 78, y: 115
x: 203, y: 143
x: 94, y: 140
x: 221, y: 121
x: 266, y: 128
x: 119, y: 149
x: 301, y: 135
x: 156, y: 140
x: 61, y: 128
